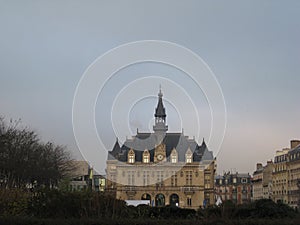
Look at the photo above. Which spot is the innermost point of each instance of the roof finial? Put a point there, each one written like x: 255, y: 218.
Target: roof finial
x: 160, y: 93
x: 203, y: 143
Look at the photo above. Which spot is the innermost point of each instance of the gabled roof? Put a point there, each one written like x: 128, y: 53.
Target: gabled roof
x: 207, y: 155
x: 116, y: 150
x: 181, y: 143
x: 116, y: 147
x: 143, y: 141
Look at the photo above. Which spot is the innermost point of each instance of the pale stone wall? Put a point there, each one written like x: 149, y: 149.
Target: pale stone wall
x: 195, y: 181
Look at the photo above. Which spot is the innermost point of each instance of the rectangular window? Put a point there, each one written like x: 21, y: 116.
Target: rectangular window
x: 244, y: 180
x: 131, y: 178
x: 174, y: 179
x: 207, y: 179
x: 188, y: 177
x: 160, y: 178
x: 146, y: 159
x: 188, y: 158
x: 189, y: 201
x: 174, y: 158
x: 146, y: 178
x: 131, y: 159
x: 113, y: 177
x: 128, y: 178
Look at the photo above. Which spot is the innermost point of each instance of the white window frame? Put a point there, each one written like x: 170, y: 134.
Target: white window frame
x: 174, y: 158
x: 146, y: 159
x: 131, y: 158
x: 188, y: 158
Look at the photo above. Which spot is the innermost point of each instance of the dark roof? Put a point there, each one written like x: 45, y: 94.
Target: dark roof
x: 160, y: 109
x: 143, y: 141
x: 293, y: 153
x: 295, y: 150
x: 116, y: 150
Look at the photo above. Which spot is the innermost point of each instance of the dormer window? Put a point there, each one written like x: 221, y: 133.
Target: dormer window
x: 146, y: 156
x: 174, y: 156
x: 189, y: 156
x: 131, y: 156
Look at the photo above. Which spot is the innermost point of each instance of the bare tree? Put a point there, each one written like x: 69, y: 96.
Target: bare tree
x: 27, y: 162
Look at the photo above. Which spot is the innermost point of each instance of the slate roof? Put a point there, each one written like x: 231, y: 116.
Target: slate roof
x: 160, y: 110
x: 116, y: 150
x: 294, y: 152
x: 143, y: 141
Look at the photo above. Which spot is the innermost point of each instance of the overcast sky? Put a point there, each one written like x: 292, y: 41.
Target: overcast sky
x: 252, y: 47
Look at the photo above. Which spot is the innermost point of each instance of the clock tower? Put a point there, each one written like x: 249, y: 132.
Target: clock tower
x: 160, y: 153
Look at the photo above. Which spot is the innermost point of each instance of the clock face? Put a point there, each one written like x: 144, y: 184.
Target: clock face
x: 160, y: 157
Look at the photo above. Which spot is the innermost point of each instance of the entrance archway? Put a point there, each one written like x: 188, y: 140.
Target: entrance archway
x: 160, y: 200
x: 146, y: 197
x: 174, y: 200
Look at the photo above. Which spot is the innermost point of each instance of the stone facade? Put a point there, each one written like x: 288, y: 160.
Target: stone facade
x: 283, y: 183
x: 267, y: 180
x: 293, y: 171
x: 164, y: 168
x: 262, y: 181
x: 83, y: 178
x: 257, y: 182
x: 233, y: 186
x: 280, y: 177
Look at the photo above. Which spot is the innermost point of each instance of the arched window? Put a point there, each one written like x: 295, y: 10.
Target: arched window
x: 131, y: 156
x: 174, y: 156
x: 146, y: 197
x: 160, y: 200
x: 146, y: 156
x: 189, y: 156
x: 174, y: 200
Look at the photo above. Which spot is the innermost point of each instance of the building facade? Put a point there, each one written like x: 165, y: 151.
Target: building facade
x: 286, y: 175
x: 281, y: 179
x: 280, y: 176
x: 164, y: 168
x: 83, y: 178
x: 262, y: 181
x: 267, y: 182
x: 257, y: 182
x: 293, y: 171
x: 235, y: 187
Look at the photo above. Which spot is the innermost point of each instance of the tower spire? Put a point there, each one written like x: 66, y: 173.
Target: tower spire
x: 160, y: 109
x: 160, y: 115
x: 160, y: 93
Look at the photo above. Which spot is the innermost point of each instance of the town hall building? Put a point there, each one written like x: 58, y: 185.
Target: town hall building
x: 162, y: 167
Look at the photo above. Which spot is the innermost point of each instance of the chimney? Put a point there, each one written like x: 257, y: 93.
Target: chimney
x: 259, y: 166
x: 269, y: 162
x: 294, y: 143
